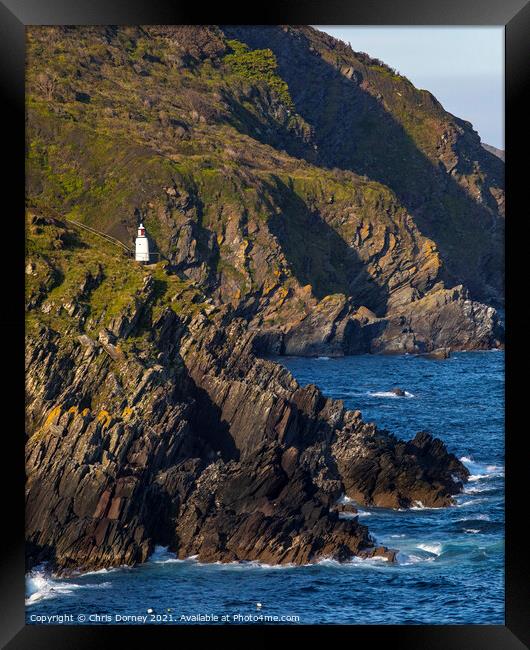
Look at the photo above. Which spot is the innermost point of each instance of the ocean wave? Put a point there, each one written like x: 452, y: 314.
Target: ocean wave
x: 434, y: 548
x: 348, y: 515
x: 471, y: 502
x: 162, y: 555
x: 477, y: 489
x: 376, y: 561
x: 96, y: 572
x: 479, y: 517
x: 479, y: 471
x: 40, y: 585
x: 251, y: 564
x: 418, y: 505
x: 406, y: 559
x: 388, y: 393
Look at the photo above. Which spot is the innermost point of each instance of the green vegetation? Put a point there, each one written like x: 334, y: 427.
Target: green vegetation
x: 182, y: 129
x: 71, y: 268
x: 258, y: 66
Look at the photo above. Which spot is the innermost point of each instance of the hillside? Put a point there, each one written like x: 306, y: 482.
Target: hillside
x: 496, y: 152
x: 232, y: 159
x: 303, y: 199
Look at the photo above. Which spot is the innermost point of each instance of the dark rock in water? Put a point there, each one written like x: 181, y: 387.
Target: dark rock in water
x: 398, y: 391
x: 439, y: 353
x: 418, y: 471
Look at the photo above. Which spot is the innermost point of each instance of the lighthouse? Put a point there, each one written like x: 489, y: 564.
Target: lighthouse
x: 142, y: 245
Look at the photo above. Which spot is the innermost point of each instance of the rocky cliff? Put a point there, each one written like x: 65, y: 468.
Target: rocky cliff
x: 346, y: 213
x: 343, y: 195
x: 159, y: 425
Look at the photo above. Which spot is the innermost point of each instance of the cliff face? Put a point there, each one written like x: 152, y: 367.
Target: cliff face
x: 159, y: 425
x: 285, y: 195
x: 345, y: 214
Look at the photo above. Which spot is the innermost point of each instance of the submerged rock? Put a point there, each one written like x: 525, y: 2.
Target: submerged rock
x: 439, y: 353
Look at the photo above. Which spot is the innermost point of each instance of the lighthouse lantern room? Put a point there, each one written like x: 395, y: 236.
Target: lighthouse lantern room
x: 142, y: 245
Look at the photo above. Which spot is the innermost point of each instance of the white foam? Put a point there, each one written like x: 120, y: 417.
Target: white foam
x: 405, y: 559
x: 476, y: 489
x: 435, y: 548
x: 471, y: 502
x: 471, y: 531
x: 323, y: 358
x: 418, y: 505
x: 41, y: 586
x: 388, y: 393
x: 251, y: 564
x: 479, y: 517
x: 102, y: 571
x: 162, y: 555
x: 354, y: 562
x: 480, y: 471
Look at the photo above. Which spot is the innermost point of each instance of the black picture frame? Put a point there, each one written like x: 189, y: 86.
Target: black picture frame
x: 14, y: 16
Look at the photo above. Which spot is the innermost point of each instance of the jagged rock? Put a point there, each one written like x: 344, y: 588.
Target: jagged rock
x: 323, y: 331
x: 447, y: 318
x: 345, y: 508
x: 229, y: 460
x: 263, y: 226
x: 86, y: 341
x: 169, y: 429
x: 106, y: 337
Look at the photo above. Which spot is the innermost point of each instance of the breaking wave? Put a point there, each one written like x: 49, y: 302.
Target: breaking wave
x: 389, y: 393
x: 480, y: 471
x: 40, y: 585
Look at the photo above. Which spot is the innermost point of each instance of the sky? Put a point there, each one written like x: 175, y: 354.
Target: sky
x: 463, y: 67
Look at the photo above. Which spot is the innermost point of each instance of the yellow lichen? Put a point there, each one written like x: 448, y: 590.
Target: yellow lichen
x: 52, y: 415
x: 126, y: 412
x: 104, y: 416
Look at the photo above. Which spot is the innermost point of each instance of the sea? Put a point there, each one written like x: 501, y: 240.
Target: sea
x: 450, y: 565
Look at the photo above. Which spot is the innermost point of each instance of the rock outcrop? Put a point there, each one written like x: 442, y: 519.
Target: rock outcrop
x: 212, y: 452
x: 337, y: 212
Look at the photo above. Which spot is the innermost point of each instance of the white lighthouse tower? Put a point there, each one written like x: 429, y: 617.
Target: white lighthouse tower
x: 142, y: 245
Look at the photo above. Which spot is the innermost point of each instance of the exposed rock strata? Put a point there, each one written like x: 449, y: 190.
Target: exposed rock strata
x: 336, y: 212
x: 443, y: 319
x: 215, y: 453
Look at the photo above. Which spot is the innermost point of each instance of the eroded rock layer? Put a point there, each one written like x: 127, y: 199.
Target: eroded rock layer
x: 336, y: 212
x: 197, y: 444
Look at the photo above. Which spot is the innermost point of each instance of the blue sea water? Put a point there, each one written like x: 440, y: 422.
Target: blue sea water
x: 450, y: 566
